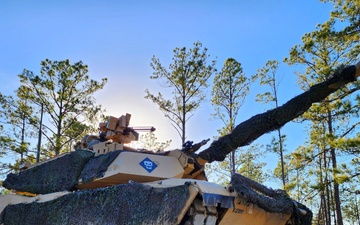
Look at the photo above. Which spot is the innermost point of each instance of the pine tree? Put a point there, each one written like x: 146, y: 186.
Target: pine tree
x: 230, y: 88
x: 65, y: 91
x: 268, y: 77
x: 187, y: 77
x: 17, y: 123
x: 322, y: 50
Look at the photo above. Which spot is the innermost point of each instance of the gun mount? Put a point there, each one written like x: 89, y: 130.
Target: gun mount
x: 126, y: 186
x: 113, y: 134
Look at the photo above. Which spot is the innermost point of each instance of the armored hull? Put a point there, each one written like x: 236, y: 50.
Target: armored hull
x: 135, y: 188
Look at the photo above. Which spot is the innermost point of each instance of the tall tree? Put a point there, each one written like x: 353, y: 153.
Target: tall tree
x: 187, y: 77
x: 322, y: 50
x: 230, y: 88
x: 268, y: 77
x: 65, y: 91
x: 17, y: 119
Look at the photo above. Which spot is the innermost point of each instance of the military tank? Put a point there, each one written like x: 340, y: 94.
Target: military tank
x: 106, y: 182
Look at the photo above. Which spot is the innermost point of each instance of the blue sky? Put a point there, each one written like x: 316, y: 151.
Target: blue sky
x: 117, y: 40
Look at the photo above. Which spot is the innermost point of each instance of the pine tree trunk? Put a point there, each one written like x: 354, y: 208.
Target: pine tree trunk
x: 281, y: 158
x: 324, y: 216
x: 336, y: 185
x: 327, y: 191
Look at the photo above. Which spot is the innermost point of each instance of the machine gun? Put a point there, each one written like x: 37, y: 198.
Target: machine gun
x: 113, y: 134
x: 189, y: 148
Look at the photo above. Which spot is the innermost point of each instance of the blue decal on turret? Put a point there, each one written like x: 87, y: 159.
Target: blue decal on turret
x: 148, y: 165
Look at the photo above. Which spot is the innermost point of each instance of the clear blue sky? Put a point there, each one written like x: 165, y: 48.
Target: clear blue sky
x: 117, y: 39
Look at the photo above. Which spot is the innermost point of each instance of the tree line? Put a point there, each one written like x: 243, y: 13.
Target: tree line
x: 312, y: 173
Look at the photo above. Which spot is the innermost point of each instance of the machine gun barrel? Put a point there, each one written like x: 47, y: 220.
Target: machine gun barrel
x: 188, y: 147
x: 144, y: 129
x: 251, y: 129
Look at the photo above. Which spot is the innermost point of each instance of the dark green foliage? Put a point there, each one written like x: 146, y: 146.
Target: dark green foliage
x: 97, y: 166
x: 16, y: 126
x: 56, y: 175
x: 120, y: 204
x: 65, y: 91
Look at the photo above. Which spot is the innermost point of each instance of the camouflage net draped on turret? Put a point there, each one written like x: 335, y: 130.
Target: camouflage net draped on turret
x: 97, y: 166
x: 62, y: 173
x: 59, y: 174
x: 119, y: 204
x: 273, y: 201
x: 251, y: 129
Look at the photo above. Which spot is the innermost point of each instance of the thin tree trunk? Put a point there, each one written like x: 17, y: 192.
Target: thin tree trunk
x: 328, y: 200
x: 357, y: 209
x: 22, y: 140
x: 58, y: 137
x: 281, y: 158
x: 232, y: 162
x: 321, y: 218
x: 40, y: 133
x: 183, y: 138
x: 323, y: 203
x: 336, y: 191
x: 336, y: 185
x: 327, y: 189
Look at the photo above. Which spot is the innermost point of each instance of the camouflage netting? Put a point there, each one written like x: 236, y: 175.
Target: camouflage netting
x: 62, y: 173
x: 59, y: 174
x: 299, y: 219
x: 269, y: 200
x: 274, y: 201
x: 97, y: 166
x: 251, y: 129
x: 120, y: 204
